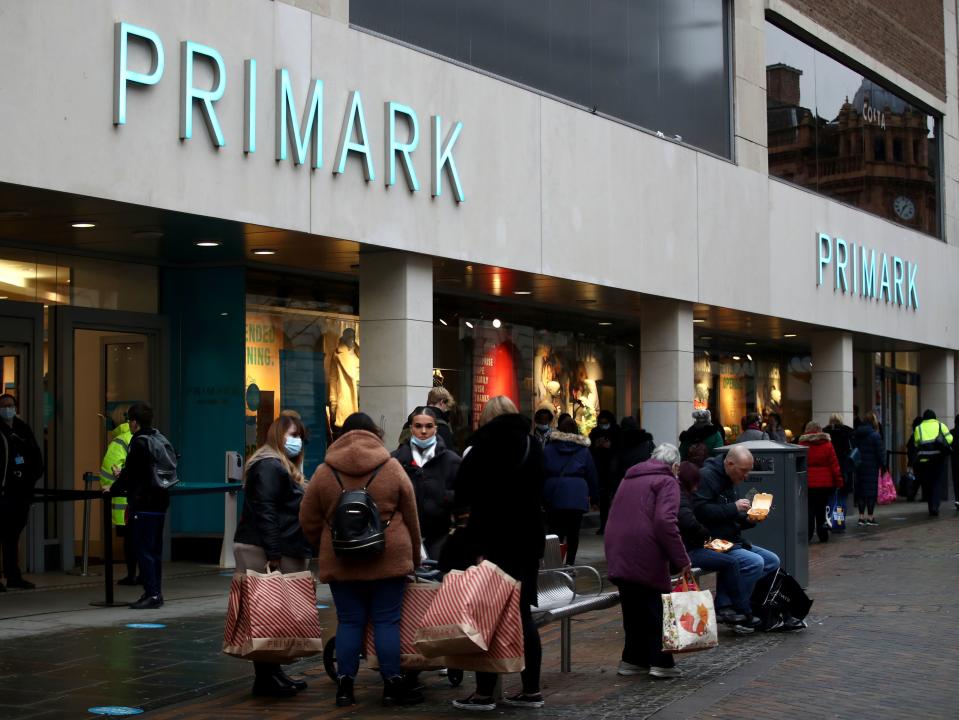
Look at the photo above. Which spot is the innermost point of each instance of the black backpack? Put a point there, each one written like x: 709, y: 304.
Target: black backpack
x: 163, y: 456
x: 356, y: 528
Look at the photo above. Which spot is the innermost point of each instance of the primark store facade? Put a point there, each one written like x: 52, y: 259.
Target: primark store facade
x: 229, y: 208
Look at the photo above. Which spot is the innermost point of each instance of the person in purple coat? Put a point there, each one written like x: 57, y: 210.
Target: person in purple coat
x: 643, y: 548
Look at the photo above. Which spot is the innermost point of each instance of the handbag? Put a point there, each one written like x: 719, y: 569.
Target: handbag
x: 689, y: 618
x: 887, y: 489
x: 417, y: 598
x: 855, y: 457
x: 465, y: 611
x: 271, y: 617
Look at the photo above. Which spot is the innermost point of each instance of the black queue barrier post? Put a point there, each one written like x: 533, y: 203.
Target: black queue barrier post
x: 107, y: 524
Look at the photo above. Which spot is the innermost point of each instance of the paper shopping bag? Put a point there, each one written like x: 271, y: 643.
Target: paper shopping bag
x: 272, y: 617
x: 416, y: 601
x: 506, y: 652
x: 689, y: 621
x: 465, y: 612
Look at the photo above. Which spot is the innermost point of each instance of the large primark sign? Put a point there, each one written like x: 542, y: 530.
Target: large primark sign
x: 305, y: 135
x: 860, y: 271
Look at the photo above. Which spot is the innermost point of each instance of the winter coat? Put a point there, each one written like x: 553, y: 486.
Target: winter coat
x: 634, y: 447
x: 571, y: 477
x: 715, y: 504
x: 271, y: 511
x: 871, y: 462
x: 752, y: 433
x: 22, y: 462
x: 136, y: 479
x: 841, y: 436
x: 355, y: 455
x: 433, y: 485
x: 443, y: 429
x: 694, y: 533
x: 709, y: 434
x: 500, y: 485
x: 822, y: 465
x: 777, y: 435
x: 601, y: 446
x: 643, y: 543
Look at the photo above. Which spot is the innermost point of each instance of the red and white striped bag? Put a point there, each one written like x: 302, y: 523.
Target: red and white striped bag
x: 272, y: 617
x: 416, y: 601
x: 506, y: 651
x: 465, y: 612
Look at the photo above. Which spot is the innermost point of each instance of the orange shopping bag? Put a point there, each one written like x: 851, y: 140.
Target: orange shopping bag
x: 272, y: 617
x: 465, y: 611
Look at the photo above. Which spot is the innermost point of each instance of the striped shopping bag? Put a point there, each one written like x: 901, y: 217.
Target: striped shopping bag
x: 417, y: 599
x: 465, y: 612
x: 506, y: 652
x: 272, y: 617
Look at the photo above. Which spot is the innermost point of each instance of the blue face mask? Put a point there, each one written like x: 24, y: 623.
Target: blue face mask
x: 293, y: 446
x: 543, y: 428
x: 8, y: 413
x: 423, y: 444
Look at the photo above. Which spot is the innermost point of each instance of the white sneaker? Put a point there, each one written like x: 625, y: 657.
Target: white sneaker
x: 659, y: 672
x: 625, y: 669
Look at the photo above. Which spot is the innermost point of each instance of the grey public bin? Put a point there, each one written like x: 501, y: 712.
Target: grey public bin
x: 780, y: 469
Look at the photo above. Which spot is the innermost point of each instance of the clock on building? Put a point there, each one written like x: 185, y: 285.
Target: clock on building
x: 904, y: 207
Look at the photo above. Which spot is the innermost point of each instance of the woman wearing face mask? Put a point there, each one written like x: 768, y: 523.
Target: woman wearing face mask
x: 269, y: 532
x: 432, y: 469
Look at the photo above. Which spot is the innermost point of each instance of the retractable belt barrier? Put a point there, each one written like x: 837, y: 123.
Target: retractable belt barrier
x: 46, y: 495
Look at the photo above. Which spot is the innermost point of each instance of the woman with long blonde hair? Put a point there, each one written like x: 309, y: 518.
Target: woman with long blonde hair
x: 269, y: 533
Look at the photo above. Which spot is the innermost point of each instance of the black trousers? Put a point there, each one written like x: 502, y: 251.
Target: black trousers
x: 818, y: 499
x: 929, y: 475
x: 566, y: 524
x: 149, y: 541
x: 533, y: 652
x: 13, y: 519
x: 642, y: 608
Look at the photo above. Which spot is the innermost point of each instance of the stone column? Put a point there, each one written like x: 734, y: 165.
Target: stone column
x: 937, y: 384
x: 396, y: 336
x: 666, y: 369
x: 832, y: 372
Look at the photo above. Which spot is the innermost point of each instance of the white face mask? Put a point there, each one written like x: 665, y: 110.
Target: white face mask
x: 293, y: 446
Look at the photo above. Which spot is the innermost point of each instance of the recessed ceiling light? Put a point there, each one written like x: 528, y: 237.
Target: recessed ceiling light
x: 522, y: 292
x: 749, y: 357
x: 736, y: 357
x: 223, y: 314
x: 705, y: 337
x: 82, y: 225
x: 4, y: 297
x: 789, y: 335
x: 264, y: 251
x: 497, y: 323
x: 698, y: 320
x: 750, y: 344
x: 605, y: 322
x: 443, y: 322
x: 469, y: 324
x: 207, y: 243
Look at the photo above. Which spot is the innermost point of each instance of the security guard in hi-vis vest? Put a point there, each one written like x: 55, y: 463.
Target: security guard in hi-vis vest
x: 116, y: 455
x: 933, y: 444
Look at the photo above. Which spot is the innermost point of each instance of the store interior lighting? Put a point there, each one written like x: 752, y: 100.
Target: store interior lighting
x: 469, y: 324
x: 789, y: 335
x: 698, y: 320
x: 497, y: 323
x: 749, y: 357
x: 522, y: 292
x: 736, y: 357
x: 82, y: 225
x: 264, y: 251
x: 443, y: 322
x: 207, y: 243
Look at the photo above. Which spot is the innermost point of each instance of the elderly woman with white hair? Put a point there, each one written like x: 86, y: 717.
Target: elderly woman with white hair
x: 643, y: 547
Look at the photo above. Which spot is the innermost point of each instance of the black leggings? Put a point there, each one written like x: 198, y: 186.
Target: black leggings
x: 566, y: 524
x: 533, y: 652
x: 870, y: 503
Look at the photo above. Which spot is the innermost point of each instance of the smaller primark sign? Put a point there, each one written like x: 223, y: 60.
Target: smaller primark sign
x: 857, y: 270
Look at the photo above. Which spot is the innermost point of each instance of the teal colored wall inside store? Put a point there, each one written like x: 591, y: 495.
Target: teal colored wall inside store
x: 206, y: 307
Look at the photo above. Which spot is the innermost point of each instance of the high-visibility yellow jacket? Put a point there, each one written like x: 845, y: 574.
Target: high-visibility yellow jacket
x: 116, y: 454
x: 926, y: 438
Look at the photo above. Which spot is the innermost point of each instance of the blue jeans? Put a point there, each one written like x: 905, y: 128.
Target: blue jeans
x: 754, y: 563
x: 361, y: 601
x: 148, y: 531
x: 729, y: 583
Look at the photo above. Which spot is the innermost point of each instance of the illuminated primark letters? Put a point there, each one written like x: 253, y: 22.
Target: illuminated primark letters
x: 862, y: 272
x: 304, y: 135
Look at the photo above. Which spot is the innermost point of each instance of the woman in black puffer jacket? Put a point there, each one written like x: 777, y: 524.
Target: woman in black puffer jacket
x: 269, y: 533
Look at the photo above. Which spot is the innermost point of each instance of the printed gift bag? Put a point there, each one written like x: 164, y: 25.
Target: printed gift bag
x: 416, y: 601
x: 506, y: 652
x: 272, y: 617
x: 689, y: 619
x: 887, y: 489
x: 465, y: 612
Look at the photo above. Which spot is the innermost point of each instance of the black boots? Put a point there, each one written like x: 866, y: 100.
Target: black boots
x: 344, y: 692
x: 397, y: 691
x: 271, y: 681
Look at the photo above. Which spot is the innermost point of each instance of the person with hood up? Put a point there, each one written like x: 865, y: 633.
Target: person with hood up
x: 871, y: 453
x: 823, y: 477
x: 635, y: 446
x: 603, y: 440
x: 703, y: 430
x: 498, y: 496
x: 368, y: 590
x: 431, y: 467
x: 269, y: 533
x: 571, y: 484
x: 643, y: 547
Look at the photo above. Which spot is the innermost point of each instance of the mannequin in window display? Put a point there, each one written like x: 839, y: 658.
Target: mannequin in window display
x: 548, y: 372
x: 585, y: 399
x: 345, y: 378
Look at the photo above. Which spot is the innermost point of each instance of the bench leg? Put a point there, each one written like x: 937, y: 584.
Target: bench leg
x: 565, y: 645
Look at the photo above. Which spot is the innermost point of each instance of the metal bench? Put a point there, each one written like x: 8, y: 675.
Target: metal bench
x: 558, y: 598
